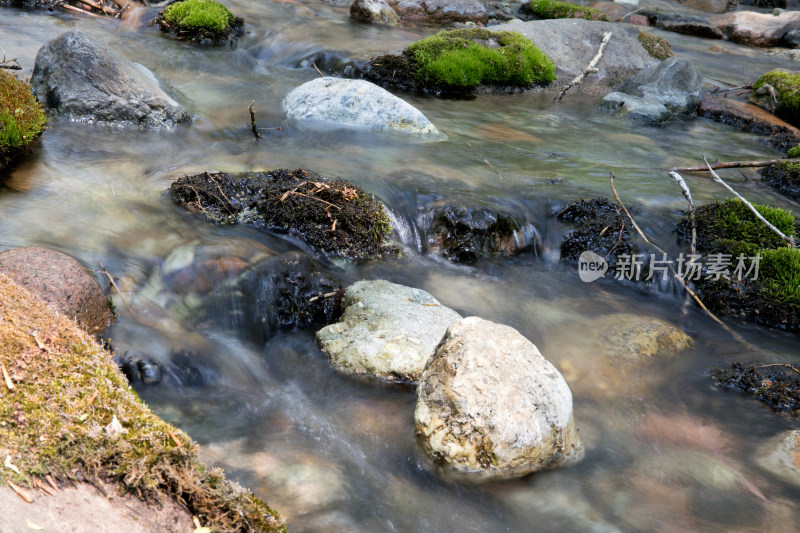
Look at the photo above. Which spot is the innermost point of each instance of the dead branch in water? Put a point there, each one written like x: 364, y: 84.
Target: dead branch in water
x: 10, y: 64
x: 688, y: 195
x: 789, y: 240
x: 116, y: 288
x: 93, y: 8
x: 253, y: 127
x: 736, y: 164
x: 590, y: 69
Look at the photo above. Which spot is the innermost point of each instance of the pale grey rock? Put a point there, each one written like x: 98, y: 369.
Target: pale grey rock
x: 674, y: 82
x: 354, y: 103
x: 635, y: 108
x: 490, y: 406
x: 572, y: 43
x: 781, y: 457
x: 375, y: 11
x: 388, y: 331
x: 83, y: 80
x: 441, y: 11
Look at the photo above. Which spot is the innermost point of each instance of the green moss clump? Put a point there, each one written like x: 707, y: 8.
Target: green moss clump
x: 731, y: 228
x: 71, y: 414
x: 554, y: 9
x: 199, y: 15
x: 787, y: 92
x: 794, y: 151
x: 779, y: 275
x: 470, y: 57
x: 22, y: 117
x: 657, y: 47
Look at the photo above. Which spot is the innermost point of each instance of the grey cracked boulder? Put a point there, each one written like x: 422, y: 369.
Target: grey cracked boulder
x: 490, y: 406
x: 83, y: 80
x: 388, y: 331
x: 354, y: 103
x: 674, y: 82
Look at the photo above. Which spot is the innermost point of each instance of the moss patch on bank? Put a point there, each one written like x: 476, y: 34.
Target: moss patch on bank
x: 459, y: 61
x: 72, y: 415
x: 332, y: 215
x: 554, y: 9
x: 772, y: 297
x: 657, y: 47
x: 203, y: 21
x: 22, y: 118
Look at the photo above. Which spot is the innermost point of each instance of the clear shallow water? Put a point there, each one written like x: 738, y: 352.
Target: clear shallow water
x: 335, y: 454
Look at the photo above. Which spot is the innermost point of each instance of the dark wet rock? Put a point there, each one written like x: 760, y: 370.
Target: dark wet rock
x: 792, y: 39
x: 689, y: 25
x: 490, y: 406
x: 598, y: 226
x: 674, y: 82
x: 784, y: 178
x: 440, y: 11
x: 466, y: 235
x: 81, y: 79
x: 60, y: 281
x: 138, y: 369
x: 572, y: 43
x: 770, y: 3
x: 332, y: 215
x: 388, y: 331
x: 282, y: 293
x: 777, y: 386
x: 710, y: 6
x: 375, y: 11
x: 757, y: 29
x: 751, y: 118
x: 354, y: 103
x: 636, y: 108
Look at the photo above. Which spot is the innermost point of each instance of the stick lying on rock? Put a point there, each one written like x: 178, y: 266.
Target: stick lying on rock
x: 590, y: 69
x: 736, y: 164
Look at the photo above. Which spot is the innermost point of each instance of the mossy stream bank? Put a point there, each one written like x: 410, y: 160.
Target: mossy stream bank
x: 67, y: 412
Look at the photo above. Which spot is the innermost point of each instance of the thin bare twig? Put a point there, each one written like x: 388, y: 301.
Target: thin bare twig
x: 253, y: 120
x: 116, y: 288
x: 499, y: 174
x: 785, y: 365
x: 737, y: 164
x: 318, y: 71
x: 688, y: 195
x: 590, y: 69
x: 758, y: 215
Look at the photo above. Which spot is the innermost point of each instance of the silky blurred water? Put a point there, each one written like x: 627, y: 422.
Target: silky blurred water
x: 336, y: 454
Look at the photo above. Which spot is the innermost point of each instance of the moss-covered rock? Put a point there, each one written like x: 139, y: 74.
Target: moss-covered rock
x: 599, y: 226
x: 22, y: 118
x: 70, y: 413
x: 784, y: 176
x: 784, y: 94
x: 769, y: 295
x: 554, y: 9
x: 203, y: 21
x: 657, y: 47
x: 459, y: 61
x: 332, y: 215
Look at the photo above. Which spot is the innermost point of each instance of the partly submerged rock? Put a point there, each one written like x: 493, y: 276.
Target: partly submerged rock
x: 388, y: 331
x: 354, y: 103
x: 635, y: 107
x: 440, y: 11
x: 599, y: 226
x: 781, y: 457
x: 757, y: 29
x: 687, y: 24
x: 779, y: 92
x: 205, y: 22
x: 375, y: 11
x: 489, y: 406
x: 784, y: 177
x: 79, y: 78
x: 466, y: 235
x: 331, y: 215
x: 749, y: 117
x: 62, y: 282
x: 675, y: 83
x: 572, y: 43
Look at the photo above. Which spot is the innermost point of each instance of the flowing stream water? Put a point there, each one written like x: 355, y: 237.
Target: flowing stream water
x: 666, y: 450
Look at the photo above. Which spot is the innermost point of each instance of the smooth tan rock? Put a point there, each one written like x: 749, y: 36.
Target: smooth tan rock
x: 781, y: 457
x: 62, y: 282
x: 757, y: 29
x: 490, y: 406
